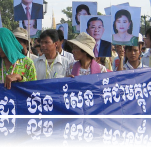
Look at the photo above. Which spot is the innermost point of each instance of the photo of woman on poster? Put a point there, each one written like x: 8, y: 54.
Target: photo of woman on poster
x: 79, y: 9
x: 64, y: 28
x: 34, y: 32
x: 123, y: 28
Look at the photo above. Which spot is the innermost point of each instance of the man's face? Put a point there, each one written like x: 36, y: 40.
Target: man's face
x: 133, y: 55
x: 27, y: 1
x: 96, y: 29
x: 47, y: 45
x: 147, y: 41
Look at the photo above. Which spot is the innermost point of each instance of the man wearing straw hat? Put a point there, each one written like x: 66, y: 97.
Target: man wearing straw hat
x: 22, y: 36
x: 82, y: 49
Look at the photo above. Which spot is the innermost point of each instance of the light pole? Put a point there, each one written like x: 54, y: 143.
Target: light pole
x: 45, y: 7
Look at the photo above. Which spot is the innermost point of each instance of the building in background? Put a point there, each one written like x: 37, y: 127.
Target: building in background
x: 53, y: 26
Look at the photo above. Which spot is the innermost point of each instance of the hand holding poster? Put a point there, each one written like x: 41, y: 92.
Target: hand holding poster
x: 124, y: 19
x: 81, y: 8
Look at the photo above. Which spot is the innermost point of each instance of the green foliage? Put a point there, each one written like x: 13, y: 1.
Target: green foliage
x: 68, y: 13
x: 99, y: 13
x: 145, y: 24
x: 7, y: 14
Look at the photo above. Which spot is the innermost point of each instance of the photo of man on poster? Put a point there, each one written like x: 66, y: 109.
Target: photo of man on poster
x: 28, y: 9
x: 96, y: 29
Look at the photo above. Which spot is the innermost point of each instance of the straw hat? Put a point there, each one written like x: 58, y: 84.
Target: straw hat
x: 21, y: 33
x: 85, y: 42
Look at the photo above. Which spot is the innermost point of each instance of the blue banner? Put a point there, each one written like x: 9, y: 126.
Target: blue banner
x: 112, y: 93
x: 46, y: 132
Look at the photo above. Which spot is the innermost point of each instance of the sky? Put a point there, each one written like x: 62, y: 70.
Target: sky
x: 58, y: 5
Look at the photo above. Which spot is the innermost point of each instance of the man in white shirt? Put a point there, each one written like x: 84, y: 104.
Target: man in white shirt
x: 146, y: 59
x: 51, y: 64
x: 63, y: 53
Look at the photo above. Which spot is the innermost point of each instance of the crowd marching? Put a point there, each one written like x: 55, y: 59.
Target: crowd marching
x: 50, y: 57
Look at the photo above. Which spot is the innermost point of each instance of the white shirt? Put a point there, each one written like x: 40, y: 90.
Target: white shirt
x: 32, y: 56
x: 68, y: 55
x: 30, y: 8
x: 128, y: 66
x: 145, y: 58
x: 56, y: 70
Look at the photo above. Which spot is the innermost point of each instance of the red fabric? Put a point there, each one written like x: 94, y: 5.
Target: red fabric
x: 96, y: 53
x: 117, y: 61
x: 27, y: 13
x: 109, y: 70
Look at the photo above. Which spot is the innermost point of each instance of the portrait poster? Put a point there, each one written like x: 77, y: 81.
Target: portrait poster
x: 64, y: 28
x: 81, y: 8
x: 0, y: 21
x: 35, y: 27
x: 22, y: 11
x: 124, y: 18
x: 108, y: 9
x: 99, y: 27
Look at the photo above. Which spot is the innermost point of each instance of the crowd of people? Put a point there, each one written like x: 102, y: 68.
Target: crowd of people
x: 52, y: 57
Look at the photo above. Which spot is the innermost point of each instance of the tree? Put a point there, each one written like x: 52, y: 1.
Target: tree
x: 68, y: 13
x: 7, y: 14
x: 144, y: 24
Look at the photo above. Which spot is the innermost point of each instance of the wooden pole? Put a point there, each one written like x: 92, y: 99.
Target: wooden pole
x: 29, y: 38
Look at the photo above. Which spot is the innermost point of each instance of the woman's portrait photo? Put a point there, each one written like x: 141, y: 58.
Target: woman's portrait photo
x: 34, y: 25
x: 64, y: 28
x: 81, y: 8
x: 124, y: 32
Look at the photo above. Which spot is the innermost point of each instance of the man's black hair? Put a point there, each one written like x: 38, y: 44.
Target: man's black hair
x: 94, y: 19
x: 60, y: 35
x: 52, y: 33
